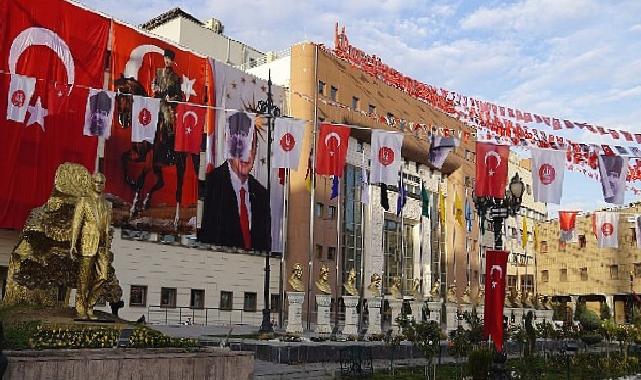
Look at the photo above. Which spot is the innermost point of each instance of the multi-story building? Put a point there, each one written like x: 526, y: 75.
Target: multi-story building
x: 582, y: 272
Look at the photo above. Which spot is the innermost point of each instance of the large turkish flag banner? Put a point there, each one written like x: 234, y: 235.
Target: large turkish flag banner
x: 331, y: 149
x: 491, y: 169
x: 63, y: 46
x: 138, y: 56
x: 495, y: 273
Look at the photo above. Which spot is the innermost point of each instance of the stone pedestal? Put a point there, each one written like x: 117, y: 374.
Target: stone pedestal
x: 295, y: 312
x: 544, y: 315
x: 517, y: 312
x: 374, y: 307
x: 417, y: 310
x: 395, y: 304
x: 451, y: 323
x: 435, y: 311
x: 323, y: 320
x: 351, y: 316
x: 465, y: 308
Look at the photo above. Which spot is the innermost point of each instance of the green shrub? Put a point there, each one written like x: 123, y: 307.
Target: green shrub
x: 478, y: 363
x: 591, y: 338
x: 17, y: 335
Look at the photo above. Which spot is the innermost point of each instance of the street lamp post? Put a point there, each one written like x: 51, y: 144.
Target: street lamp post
x: 497, y: 210
x: 271, y: 111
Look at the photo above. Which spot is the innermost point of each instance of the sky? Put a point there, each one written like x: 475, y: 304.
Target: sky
x: 570, y: 59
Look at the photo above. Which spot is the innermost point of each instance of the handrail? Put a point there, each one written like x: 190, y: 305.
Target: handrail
x: 186, y: 315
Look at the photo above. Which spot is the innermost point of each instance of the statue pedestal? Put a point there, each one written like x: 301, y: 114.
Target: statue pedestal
x: 515, y: 312
x: 395, y: 305
x: 417, y: 310
x: 466, y: 308
x: 451, y: 323
x: 323, y: 321
x: 295, y: 312
x: 434, y: 308
x: 544, y: 315
x: 351, y: 316
x: 374, y: 308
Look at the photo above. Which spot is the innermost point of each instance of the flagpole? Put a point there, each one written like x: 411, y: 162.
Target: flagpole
x: 362, y: 288
x: 281, y: 284
x: 338, y: 252
x: 400, y: 194
x: 310, y: 251
x: 420, y: 242
x: 441, y: 275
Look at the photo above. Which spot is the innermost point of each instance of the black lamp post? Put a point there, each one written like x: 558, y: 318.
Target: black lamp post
x: 271, y: 111
x: 497, y: 210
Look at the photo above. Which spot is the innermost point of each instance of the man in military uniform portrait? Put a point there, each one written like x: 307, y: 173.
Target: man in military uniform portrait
x: 167, y: 86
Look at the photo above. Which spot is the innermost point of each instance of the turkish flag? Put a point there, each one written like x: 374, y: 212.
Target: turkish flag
x: 53, y: 41
x: 491, y: 169
x: 495, y: 273
x: 190, y: 122
x: 331, y: 149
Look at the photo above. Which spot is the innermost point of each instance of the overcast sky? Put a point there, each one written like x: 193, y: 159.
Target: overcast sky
x: 571, y: 59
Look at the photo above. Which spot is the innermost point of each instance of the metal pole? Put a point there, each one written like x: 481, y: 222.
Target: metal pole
x: 420, y: 242
x: 338, y: 255
x: 400, y: 203
x: 362, y: 288
x: 310, y: 252
x: 281, y: 278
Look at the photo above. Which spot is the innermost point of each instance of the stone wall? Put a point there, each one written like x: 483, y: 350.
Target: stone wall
x: 155, y: 364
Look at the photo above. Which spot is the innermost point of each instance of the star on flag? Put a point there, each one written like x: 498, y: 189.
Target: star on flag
x: 37, y: 114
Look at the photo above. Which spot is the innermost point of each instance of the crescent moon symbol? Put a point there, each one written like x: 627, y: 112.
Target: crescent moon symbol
x: 336, y: 136
x: 42, y: 37
x: 495, y: 154
x: 194, y: 115
x: 136, y: 57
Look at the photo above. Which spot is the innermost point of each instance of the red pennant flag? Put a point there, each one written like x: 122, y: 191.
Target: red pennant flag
x: 567, y: 226
x: 627, y: 135
x: 556, y: 124
x: 546, y: 120
x: 495, y: 273
x: 601, y: 130
x: 607, y: 150
x: 510, y: 112
x: 568, y: 124
x: 190, y: 122
x: 614, y: 133
x: 331, y: 149
x: 538, y: 118
x: 491, y: 169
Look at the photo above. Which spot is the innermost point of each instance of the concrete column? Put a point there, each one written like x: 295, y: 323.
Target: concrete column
x: 295, y: 312
x: 374, y: 307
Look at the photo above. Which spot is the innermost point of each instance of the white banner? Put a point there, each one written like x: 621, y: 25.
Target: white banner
x: 144, y: 118
x: 385, y: 157
x: 286, y: 145
x: 548, y: 168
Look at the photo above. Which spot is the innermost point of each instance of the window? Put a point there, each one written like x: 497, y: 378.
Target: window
x: 633, y: 237
x: 614, y: 272
x: 333, y: 94
x: 331, y: 253
x: 563, y: 274
x: 321, y: 87
x: 318, y: 210
x: 528, y: 189
x: 226, y: 300
x: 511, y: 282
x: 545, y: 275
x: 319, y: 251
x: 197, y: 300
x: 584, y: 274
x: 274, y: 303
x: 331, y: 212
x: 356, y: 103
x: 637, y: 270
x: 168, y: 297
x: 562, y: 246
x: 582, y: 241
x: 371, y: 109
x: 138, y: 295
x: 249, y: 303
x: 544, y: 246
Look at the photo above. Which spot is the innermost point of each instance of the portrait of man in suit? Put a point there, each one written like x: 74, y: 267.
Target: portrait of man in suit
x: 237, y: 211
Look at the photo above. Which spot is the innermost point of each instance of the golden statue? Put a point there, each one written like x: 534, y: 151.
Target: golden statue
x: 526, y: 300
x: 395, y: 289
x: 515, y: 296
x: 451, y: 293
x: 467, y: 294
x: 435, y: 293
x: 296, y: 279
x: 416, y: 289
x: 46, y: 257
x: 375, y: 285
x: 480, y: 295
x: 350, y: 284
x: 322, y: 284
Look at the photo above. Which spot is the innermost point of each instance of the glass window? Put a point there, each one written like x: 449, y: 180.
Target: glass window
x: 138, y: 295
x: 318, y: 210
x: 197, y: 300
x: 637, y: 270
x: 544, y: 246
x: 511, y: 282
x: 168, y: 297
x: 319, y: 251
x: 249, y: 303
x: 356, y: 103
x: 333, y: 93
x: 397, y: 263
x: 371, y: 109
x: 582, y: 241
x: 331, y: 212
x: 331, y: 253
x: 584, y: 274
x: 614, y: 272
x: 321, y: 87
x: 545, y: 275
x: 226, y: 300
x: 274, y: 303
x: 563, y: 274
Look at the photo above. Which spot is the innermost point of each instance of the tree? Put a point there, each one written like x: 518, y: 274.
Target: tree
x: 424, y: 335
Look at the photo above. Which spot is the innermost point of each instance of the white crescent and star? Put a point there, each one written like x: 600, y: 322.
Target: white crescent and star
x: 498, y: 160
x: 194, y: 115
x: 187, y: 87
x: 498, y: 269
x: 36, y: 36
x: 338, y: 140
x: 135, y: 59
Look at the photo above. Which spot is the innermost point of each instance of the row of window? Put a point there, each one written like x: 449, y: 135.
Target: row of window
x: 583, y: 273
x: 319, y: 211
x: 630, y: 239
x: 356, y: 101
x: 138, y: 298
x: 331, y: 252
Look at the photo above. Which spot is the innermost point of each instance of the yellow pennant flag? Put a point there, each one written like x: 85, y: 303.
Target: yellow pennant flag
x: 441, y: 206
x: 536, y: 237
x: 458, y: 210
x: 524, y: 236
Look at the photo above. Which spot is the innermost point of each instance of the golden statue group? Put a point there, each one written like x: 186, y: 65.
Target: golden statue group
x: 66, y: 244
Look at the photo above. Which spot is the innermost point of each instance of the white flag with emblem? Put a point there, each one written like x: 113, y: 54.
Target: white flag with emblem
x: 385, y: 157
x: 99, y: 113
x: 607, y: 229
x: 613, y: 170
x: 548, y: 168
x: 288, y: 138
x: 21, y: 90
x: 144, y: 118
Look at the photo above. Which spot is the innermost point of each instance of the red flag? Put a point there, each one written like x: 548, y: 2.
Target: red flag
x: 491, y: 169
x: 190, y: 122
x: 331, y: 149
x: 567, y: 226
x: 495, y: 272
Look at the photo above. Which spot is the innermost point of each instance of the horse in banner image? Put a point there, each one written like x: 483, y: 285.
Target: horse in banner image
x: 153, y: 157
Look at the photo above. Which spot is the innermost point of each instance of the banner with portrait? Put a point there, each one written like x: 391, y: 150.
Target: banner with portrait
x: 154, y: 183
x: 238, y: 209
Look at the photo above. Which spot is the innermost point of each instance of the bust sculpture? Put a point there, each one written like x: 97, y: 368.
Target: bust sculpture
x: 350, y: 284
x: 480, y: 295
x: 416, y: 289
x: 526, y: 300
x: 375, y: 285
x: 296, y: 278
x: 451, y: 293
x: 322, y: 284
x: 435, y: 292
x: 467, y: 294
x: 395, y: 289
